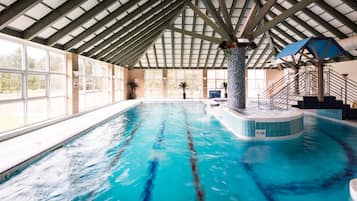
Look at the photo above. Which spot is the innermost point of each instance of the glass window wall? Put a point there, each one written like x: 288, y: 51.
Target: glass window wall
x: 193, y: 78
x: 32, y: 84
x: 153, y: 84
x: 118, y: 83
x: 94, y: 83
x: 256, y: 82
x: 215, y: 80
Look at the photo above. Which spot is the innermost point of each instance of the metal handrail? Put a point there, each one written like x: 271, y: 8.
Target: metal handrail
x: 282, y: 94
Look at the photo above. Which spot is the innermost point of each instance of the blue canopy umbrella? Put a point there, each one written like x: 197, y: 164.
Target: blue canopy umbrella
x: 321, y: 48
x: 316, y: 50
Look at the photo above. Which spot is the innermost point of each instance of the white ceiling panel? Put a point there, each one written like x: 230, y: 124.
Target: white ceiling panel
x: 21, y: 23
x: 61, y: 23
x: 7, y: 2
x: 47, y: 32
x: 65, y: 39
x: 75, y: 13
x: 38, y: 11
x: 89, y: 4
x: 54, y: 3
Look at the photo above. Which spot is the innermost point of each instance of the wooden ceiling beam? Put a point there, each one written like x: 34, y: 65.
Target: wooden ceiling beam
x: 15, y: 10
x: 50, y: 18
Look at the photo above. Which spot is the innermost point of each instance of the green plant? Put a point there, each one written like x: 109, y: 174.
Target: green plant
x: 183, y: 86
x: 132, y: 85
x: 225, y: 85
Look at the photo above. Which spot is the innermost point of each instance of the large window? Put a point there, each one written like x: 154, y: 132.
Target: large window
x: 36, y: 59
x: 118, y: 83
x: 93, y: 83
x: 153, y: 84
x: 32, y: 88
x: 215, y: 80
x: 10, y: 86
x: 256, y: 82
x: 193, y: 78
x: 10, y: 54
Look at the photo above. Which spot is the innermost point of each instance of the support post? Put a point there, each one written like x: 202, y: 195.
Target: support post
x: 320, y: 82
x: 111, y: 91
x: 345, y: 78
x: 164, y: 83
x: 73, y: 75
x: 204, y: 88
x: 125, y: 83
x: 307, y: 82
x: 296, y: 79
x: 236, y: 77
x: 272, y: 97
x: 287, y: 93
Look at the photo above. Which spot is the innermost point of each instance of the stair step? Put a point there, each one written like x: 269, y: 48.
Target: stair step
x: 352, y: 114
x: 329, y: 98
x: 310, y: 98
x: 346, y: 106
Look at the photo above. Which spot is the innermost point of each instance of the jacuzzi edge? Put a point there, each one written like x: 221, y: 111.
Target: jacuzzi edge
x: 219, y: 116
x: 13, y: 170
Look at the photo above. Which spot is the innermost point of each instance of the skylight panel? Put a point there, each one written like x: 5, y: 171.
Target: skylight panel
x: 100, y: 30
x: 114, y: 6
x: 47, y: 32
x: 22, y: 23
x: 8, y: 2
x: 54, y: 4
x: 75, y: 13
x: 343, y: 8
x: 65, y: 39
x: 77, y: 31
x: 89, y: 23
x: 61, y: 23
x: 38, y: 11
x: 101, y: 15
x: 87, y: 5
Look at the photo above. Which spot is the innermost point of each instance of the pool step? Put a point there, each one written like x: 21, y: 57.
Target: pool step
x: 330, y: 102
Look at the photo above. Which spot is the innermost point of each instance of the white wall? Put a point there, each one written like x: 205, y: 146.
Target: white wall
x: 349, y: 67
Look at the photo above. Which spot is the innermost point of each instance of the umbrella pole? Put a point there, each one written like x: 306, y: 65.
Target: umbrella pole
x: 296, y: 69
x: 320, y: 82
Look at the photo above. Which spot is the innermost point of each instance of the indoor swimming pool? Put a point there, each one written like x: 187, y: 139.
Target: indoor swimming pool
x: 176, y: 151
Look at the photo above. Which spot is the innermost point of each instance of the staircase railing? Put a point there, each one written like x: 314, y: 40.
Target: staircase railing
x: 343, y: 88
x: 292, y: 87
x: 286, y: 91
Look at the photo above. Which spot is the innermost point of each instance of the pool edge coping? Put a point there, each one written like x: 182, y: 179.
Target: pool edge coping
x: 344, y: 122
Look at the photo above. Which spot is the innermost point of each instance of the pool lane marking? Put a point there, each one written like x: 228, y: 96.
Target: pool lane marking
x: 267, y: 194
x: 127, y: 141
x: 193, y: 160
x: 307, y: 187
x: 154, y: 163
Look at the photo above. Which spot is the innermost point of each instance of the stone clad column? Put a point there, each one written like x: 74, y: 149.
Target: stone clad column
x: 236, y: 78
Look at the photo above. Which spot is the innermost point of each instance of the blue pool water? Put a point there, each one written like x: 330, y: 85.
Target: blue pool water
x: 175, y: 151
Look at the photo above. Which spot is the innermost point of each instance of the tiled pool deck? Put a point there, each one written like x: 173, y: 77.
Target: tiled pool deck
x: 19, y: 151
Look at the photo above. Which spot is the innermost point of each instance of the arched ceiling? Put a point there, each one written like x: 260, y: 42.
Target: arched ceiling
x: 175, y: 33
